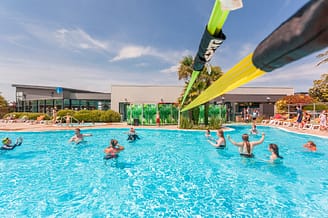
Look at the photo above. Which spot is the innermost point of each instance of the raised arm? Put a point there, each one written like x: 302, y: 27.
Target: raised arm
x: 19, y: 141
x: 212, y: 143
x: 239, y: 144
x: 260, y: 141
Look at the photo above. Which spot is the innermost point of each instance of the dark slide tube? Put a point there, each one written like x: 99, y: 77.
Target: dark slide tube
x: 302, y: 34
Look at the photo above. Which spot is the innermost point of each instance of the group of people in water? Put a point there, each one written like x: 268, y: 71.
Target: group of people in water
x: 246, y: 147
x: 113, y: 149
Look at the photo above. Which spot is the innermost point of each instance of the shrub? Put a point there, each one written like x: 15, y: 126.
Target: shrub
x: 185, y: 123
x: 97, y: 116
x: 215, y: 123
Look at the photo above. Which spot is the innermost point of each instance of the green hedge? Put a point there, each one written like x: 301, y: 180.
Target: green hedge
x: 78, y: 116
x: 91, y: 115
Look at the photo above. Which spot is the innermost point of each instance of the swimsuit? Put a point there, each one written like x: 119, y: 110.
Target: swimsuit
x: 111, y: 156
x: 247, y: 155
x: 221, y: 146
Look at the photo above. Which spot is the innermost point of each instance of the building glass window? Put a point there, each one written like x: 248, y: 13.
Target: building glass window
x: 67, y: 103
x: 58, y: 103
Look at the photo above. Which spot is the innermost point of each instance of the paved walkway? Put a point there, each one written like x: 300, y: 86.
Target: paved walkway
x: 28, y: 127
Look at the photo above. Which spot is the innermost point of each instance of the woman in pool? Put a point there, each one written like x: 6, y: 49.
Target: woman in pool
x: 78, y: 137
x: 253, y: 130
x: 246, y: 147
x: 310, y: 146
x: 220, y: 142
x: 6, y: 143
x: 113, y: 149
x: 273, y: 148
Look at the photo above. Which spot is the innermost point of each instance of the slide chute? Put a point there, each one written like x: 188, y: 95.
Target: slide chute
x: 302, y: 34
x: 212, y: 38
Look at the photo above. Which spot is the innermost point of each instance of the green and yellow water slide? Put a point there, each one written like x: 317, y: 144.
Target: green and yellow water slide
x: 303, y: 33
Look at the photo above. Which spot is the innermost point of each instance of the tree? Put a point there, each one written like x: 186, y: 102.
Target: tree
x: 282, y: 104
x: 204, y: 80
x: 3, y: 106
x: 324, y: 56
x: 319, y: 91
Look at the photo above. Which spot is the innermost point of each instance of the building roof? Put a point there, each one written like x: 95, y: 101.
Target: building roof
x: 53, y: 88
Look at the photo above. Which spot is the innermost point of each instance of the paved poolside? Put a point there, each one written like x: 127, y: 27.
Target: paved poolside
x: 28, y: 127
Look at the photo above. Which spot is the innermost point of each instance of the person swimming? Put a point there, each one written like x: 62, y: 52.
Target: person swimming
x: 246, y: 147
x: 253, y: 130
x: 208, y: 135
x: 310, y: 146
x: 6, y: 143
x: 111, y: 152
x: 132, y: 135
x: 273, y: 148
x: 78, y: 137
x: 220, y: 143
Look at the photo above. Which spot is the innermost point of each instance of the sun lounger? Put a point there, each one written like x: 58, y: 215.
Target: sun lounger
x: 307, y: 126
x: 265, y: 121
x: 314, y: 127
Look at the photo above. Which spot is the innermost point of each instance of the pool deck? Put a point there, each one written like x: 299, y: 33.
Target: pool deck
x: 28, y: 127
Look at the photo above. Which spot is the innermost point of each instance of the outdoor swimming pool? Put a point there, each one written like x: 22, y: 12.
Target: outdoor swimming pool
x: 164, y: 174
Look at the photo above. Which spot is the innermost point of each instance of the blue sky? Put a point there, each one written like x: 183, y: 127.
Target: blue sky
x: 88, y: 44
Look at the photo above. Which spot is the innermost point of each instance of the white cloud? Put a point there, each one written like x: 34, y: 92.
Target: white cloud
x: 172, y: 69
x: 134, y: 52
x: 78, y: 38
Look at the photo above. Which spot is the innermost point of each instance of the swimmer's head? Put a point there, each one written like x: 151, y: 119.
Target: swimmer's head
x: 6, y: 141
x: 220, y: 132
x: 245, y: 137
x: 113, y: 142
x: 311, y: 144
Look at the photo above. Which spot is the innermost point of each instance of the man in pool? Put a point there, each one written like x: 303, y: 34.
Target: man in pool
x: 113, y: 149
x: 78, y: 137
x: 310, y: 146
x: 246, y: 147
x: 6, y: 143
x: 132, y: 135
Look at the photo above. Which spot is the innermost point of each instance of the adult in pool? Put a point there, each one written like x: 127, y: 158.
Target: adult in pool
x: 113, y: 149
x: 273, y: 148
x: 311, y: 146
x: 132, y: 135
x: 220, y: 143
x: 6, y: 143
x: 78, y: 137
x: 246, y: 147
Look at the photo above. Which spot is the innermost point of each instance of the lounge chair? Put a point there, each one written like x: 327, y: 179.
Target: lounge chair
x: 40, y: 119
x: 307, y: 126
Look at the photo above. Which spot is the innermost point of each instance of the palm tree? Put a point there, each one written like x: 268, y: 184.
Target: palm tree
x: 204, y: 80
x: 184, y: 73
x: 3, y: 106
x: 324, y: 56
x: 186, y: 68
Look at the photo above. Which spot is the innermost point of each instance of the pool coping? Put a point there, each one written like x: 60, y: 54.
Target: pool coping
x: 28, y: 127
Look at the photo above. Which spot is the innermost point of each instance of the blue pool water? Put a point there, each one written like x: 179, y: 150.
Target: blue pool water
x: 164, y: 174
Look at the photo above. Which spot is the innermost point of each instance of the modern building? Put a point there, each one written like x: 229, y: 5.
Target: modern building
x: 236, y: 101
x: 30, y: 98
